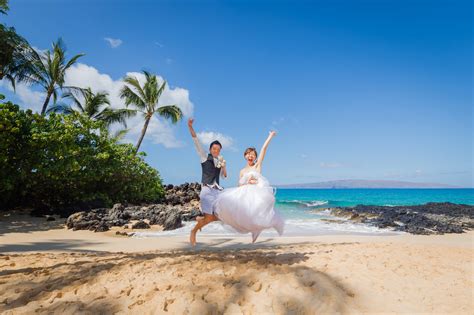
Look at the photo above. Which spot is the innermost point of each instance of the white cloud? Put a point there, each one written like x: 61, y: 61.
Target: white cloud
x: 28, y: 98
x: 159, y: 131
x: 159, y: 44
x: 206, y: 137
x: 330, y: 165
x: 113, y: 42
x: 38, y: 49
x: 278, y: 121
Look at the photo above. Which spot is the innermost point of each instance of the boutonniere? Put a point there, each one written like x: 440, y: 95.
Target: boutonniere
x: 220, y: 161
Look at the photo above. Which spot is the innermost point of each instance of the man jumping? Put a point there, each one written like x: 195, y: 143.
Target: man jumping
x: 213, y: 166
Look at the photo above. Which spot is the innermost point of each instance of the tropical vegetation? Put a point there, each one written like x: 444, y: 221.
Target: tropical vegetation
x: 66, y: 154
x: 58, y: 160
x: 146, y: 98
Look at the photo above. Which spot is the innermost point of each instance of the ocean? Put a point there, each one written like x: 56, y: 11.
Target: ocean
x: 305, y: 210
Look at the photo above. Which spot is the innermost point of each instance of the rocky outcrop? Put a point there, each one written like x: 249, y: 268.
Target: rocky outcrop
x: 182, y: 194
x: 181, y: 203
x: 140, y: 225
x: 430, y: 218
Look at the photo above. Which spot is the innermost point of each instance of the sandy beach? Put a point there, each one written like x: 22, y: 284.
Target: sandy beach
x: 48, y: 269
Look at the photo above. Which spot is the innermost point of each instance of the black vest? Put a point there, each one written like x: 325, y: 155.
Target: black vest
x: 210, y: 173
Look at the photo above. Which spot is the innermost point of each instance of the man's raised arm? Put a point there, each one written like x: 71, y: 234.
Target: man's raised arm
x: 191, y: 129
x: 198, y: 146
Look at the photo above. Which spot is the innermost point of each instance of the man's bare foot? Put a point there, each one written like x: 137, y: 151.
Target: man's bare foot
x: 255, y: 236
x: 192, y: 237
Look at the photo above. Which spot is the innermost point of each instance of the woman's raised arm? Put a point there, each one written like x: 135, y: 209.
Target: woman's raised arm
x: 263, y: 151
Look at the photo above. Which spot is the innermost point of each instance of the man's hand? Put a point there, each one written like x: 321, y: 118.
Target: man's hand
x: 190, y: 126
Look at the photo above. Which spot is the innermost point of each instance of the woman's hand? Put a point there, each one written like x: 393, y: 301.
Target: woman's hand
x: 272, y: 134
x: 252, y: 181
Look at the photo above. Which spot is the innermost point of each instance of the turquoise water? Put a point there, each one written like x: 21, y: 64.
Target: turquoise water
x: 304, y: 210
x: 296, y: 203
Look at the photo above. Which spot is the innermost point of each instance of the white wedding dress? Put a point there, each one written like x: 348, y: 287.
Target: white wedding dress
x: 249, y: 208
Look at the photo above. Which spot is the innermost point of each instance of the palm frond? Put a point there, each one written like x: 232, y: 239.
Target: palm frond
x: 73, y: 96
x: 60, y: 108
x: 110, y: 115
x: 11, y: 78
x: 135, y: 84
x: 55, y: 95
x: 4, y: 6
x: 132, y: 98
x: 161, y: 89
x: 119, y: 134
x: 171, y: 112
x: 73, y: 60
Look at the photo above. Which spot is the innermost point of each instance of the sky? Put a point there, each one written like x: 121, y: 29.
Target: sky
x: 354, y: 89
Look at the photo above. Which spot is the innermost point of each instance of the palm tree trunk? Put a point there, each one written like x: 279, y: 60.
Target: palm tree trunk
x: 46, y: 102
x: 145, y: 126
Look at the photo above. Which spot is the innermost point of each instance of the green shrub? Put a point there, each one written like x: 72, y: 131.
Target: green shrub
x: 62, y: 160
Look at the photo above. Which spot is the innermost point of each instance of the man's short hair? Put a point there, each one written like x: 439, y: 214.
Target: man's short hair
x: 215, y: 142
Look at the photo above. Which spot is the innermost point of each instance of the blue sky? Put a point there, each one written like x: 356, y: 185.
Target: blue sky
x: 355, y: 89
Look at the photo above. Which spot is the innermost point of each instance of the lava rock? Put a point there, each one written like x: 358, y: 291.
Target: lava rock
x: 50, y: 218
x: 179, y: 204
x: 172, y: 222
x: 141, y: 225
x: 430, y: 218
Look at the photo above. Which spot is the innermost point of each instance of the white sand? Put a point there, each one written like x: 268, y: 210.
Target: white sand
x: 60, y: 271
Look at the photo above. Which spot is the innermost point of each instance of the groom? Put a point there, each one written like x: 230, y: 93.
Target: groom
x: 213, y: 166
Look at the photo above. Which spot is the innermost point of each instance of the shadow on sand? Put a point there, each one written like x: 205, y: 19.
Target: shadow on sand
x: 207, y: 280
x: 24, y: 223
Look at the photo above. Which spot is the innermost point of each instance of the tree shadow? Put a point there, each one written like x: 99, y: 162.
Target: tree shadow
x: 212, y: 281
x: 63, y: 246
x: 24, y: 223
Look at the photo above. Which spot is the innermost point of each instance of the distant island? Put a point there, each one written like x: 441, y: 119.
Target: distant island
x: 362, y: 183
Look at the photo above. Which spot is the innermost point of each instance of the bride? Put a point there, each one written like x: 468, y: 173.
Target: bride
x: 249, y: 208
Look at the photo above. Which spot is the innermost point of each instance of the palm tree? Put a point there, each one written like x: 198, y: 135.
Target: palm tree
x: 94, y: 105
x: 13, y: 55
x: 3, y: 6
x: 14, y: 51
x: 48, y: 69
x: 145, y: 99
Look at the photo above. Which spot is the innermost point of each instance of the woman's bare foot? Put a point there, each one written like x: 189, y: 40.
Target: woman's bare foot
x: 199, y: 218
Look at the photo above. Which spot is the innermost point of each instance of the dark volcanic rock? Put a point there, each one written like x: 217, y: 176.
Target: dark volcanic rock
x: 191, y: 215
x: 50, y: 218
x: 179, y: 204
x: 430, y: 218
x: 101, y: 227
x: 173, y: 221
x: 182, y: 194
x: 141, y: 225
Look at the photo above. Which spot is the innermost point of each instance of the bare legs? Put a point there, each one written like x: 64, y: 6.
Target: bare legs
x: 201, y: 221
